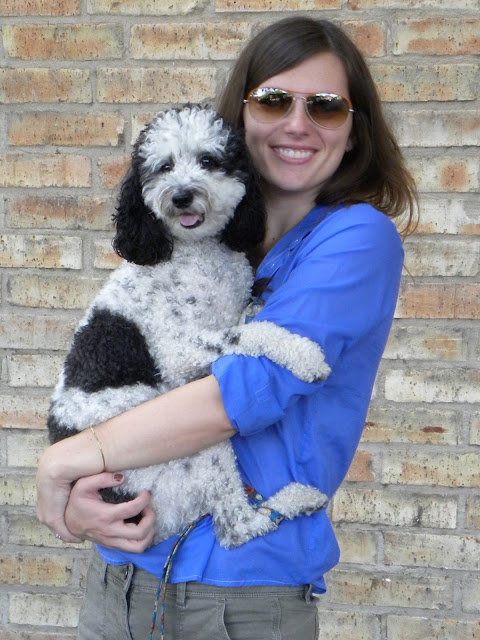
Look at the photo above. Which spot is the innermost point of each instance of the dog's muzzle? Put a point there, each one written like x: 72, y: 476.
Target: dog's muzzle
x: 188, y: 219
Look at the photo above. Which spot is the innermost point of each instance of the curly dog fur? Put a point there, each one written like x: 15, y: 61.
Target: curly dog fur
x: 189, y: 209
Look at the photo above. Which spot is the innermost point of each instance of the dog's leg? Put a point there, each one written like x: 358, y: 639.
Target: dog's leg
x: 300, y: 355
x: 297, y: 499
x: 235, y: 520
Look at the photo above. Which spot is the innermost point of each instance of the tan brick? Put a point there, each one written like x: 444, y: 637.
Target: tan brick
x: 443, y: 385
x: 354, y: 626
x: 412, y: 4
x: 47, y: 252
x: 145, y: 7
x: 66, y: 129
x: 419, y: 343
x: 471, y: 595
x: 23, y: 568
x: 361, y: 468
x: 448, y: 215
x: 428, y: 550
x: 377, y: 589
x: 437, y: 36
x: 56, y: 292
x: 368, y: 36
x: 60, y: 212
x: 411, y: 628
x: 357, y: 547
x: 45, y: 85
x: 472, y: 512
x: 442, y: 257
x: 18, y: 490
x: 424, y: 83
x: 417, y: 426
x: 112, y: 170
x: 41, y: 609
x: 391, y: 508
x: 431, y: 469
x: 139, y: 121
x: 446, y: 173
x: 25, y: 449
x: 273, y: 5
x: 35, y: 635
x: 40, y: 8
x: 35, y: 370
x: 198, y: 41
x: 136, y: 85
x: 23, y: 412
x: 49, y: 170
x: 35, y: 332
x: 435, y: 128
x: 25, y: 529
x: 475, y: 429
x: 432, y: 300
x: 105, y: 257
x: 63, y: 41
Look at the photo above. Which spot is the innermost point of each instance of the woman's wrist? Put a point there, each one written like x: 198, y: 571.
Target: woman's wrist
x: 74, y: 457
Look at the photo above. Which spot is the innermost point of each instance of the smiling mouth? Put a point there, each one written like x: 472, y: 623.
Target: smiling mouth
x: 296, y: 154
x: 190, y: 220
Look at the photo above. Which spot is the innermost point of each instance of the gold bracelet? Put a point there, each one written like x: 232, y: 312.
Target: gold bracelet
x: 100, y: 447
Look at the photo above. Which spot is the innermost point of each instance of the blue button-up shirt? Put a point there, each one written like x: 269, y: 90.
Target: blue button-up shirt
x: 334, y: 278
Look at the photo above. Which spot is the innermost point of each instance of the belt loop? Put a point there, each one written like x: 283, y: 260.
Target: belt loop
x: 104, y: 569
x: 307, y: 592
x: 128, y: 576
x: 181, y: 593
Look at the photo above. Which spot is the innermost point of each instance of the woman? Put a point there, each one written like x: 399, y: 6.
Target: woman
x: 331, y: 263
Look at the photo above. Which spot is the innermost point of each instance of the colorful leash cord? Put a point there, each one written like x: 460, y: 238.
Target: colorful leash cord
x: 167, y: 567
x: 257, y: 503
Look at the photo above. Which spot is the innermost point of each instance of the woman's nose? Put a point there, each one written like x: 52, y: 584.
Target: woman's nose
x: 297, y: 119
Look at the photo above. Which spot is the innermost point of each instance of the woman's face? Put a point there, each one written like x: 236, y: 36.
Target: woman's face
x: 294, y: 155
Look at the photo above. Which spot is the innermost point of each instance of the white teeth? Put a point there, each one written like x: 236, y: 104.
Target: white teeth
x: 294, y: 153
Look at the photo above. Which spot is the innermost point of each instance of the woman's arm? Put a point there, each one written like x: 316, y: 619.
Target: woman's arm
x: 173, y: 425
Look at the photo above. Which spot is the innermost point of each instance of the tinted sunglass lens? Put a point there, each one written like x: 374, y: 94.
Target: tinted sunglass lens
x: 271, y: 105
x: 328, y: 111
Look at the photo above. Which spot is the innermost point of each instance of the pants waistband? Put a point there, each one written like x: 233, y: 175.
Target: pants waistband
x: 127, y: 575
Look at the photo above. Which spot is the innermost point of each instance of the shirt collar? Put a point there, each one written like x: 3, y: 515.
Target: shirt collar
x: 290, y: 241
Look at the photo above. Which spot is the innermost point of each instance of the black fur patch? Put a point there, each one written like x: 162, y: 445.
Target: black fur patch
x: 109, y: 351
x: 57, y: 431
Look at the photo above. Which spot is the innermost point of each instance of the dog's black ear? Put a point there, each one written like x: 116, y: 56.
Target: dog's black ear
x: 247, y: 227
x: 139, y: 237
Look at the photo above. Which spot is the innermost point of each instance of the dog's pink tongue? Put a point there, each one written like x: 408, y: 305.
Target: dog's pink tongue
x: 189, y: 219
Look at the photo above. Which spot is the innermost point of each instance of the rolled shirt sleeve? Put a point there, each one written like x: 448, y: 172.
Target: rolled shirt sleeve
x: 336, y: 286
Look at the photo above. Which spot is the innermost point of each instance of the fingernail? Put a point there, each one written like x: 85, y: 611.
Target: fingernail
x: 118, y: 477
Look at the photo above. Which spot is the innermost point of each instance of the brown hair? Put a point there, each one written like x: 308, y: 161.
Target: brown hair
x: 373, y: 170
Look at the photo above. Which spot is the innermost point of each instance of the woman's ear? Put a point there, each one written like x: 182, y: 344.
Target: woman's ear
x: 140, y: 237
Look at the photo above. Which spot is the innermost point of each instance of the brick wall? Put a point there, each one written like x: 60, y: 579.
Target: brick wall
x: 77, y: 80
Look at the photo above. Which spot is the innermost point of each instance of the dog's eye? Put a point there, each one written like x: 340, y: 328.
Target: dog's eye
x: 164, y: 168
x: 208, y: 162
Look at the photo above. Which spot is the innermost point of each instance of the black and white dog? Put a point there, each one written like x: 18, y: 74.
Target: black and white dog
x: 190, y: 206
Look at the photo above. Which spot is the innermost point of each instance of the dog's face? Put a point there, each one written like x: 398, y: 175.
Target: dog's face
x: 187, y: 172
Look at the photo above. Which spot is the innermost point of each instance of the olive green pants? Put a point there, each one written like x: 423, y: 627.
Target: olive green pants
x: 119, y: 601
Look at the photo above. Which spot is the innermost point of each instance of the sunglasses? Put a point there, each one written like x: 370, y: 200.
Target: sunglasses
x: 327, y: 110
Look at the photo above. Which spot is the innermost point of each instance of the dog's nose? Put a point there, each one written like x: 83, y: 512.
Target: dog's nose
x: 182, y: 199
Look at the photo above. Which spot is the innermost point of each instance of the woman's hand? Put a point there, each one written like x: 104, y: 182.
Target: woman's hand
x: 53, y: 492
x: 88, y: 517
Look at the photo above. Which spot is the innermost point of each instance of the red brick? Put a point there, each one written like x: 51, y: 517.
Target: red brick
x: 438, y: 36
x: 438, y: 300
